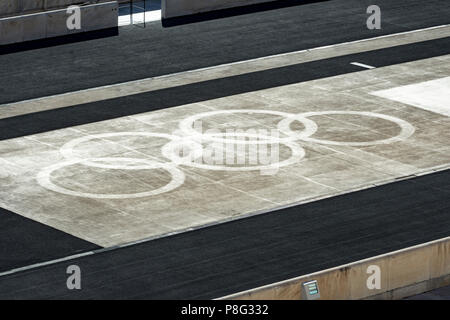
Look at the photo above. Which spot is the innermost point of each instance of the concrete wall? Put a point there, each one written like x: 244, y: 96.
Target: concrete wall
x: 18, y: 7
x: 403, y: 273
x: 176, y: 8
x: 52, y: 23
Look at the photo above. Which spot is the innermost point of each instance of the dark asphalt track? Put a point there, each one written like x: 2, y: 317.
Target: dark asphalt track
x: 24, y: 242
x: 113, y: 108
x: 248, y: 253
x: 140, y: 53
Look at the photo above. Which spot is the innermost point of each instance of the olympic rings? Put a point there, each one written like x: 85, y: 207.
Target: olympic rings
x: 186, y: 126
x: 297, y: 153
x: 193, y: 139
x: 67, y: 150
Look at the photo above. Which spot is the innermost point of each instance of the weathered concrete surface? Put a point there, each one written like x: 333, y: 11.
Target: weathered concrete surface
x: 208, y: 195
x: 53, y: 23
x: 176, y: 8
x: 20, y: 7
x: 431, y: 95
x: 403, y: 273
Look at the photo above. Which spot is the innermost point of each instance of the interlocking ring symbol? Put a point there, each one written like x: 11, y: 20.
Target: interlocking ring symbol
x: 177, y: 175
x: 406, y: 129
x: 297, y: 153
x: 186, y: 126
x: 193, y: 139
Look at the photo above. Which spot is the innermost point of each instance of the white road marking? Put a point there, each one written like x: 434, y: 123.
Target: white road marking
x: 433, y: 95
x: 362, y: 65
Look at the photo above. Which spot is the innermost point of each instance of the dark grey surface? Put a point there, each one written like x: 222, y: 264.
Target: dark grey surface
x: 24, y: 242
x: 247, y: 253
x: 139, y: 53
x: 437, y: 294
x: 113, y: 108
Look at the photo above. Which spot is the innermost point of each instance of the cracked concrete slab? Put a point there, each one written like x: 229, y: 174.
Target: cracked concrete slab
x: 54, y: 177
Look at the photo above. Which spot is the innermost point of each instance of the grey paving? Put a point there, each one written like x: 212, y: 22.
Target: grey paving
x: 112, y: 205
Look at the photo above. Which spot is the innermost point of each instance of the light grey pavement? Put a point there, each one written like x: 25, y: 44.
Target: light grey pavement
x: 66, y: 178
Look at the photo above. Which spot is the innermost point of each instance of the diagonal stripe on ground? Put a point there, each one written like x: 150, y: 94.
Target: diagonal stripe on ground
x: 222, y: 71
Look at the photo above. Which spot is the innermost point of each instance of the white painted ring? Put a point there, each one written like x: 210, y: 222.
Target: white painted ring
x: 186, y: 126
x: 67, y: 150
x: 407, y: 129
x: 177, y: 179
x: 297, y: 153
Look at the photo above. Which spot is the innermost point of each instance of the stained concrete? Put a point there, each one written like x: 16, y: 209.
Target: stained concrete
x: 19, y: 7
x: 342, y: 158
x: 53, y: 23
x: 402, y: 273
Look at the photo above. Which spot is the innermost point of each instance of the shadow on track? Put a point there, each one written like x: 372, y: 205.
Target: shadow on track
x: 225, y: 13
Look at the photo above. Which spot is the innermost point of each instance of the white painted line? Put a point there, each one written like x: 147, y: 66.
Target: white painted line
x: 42, y: 264
x: 362, y: 65
x: 432, y: 95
